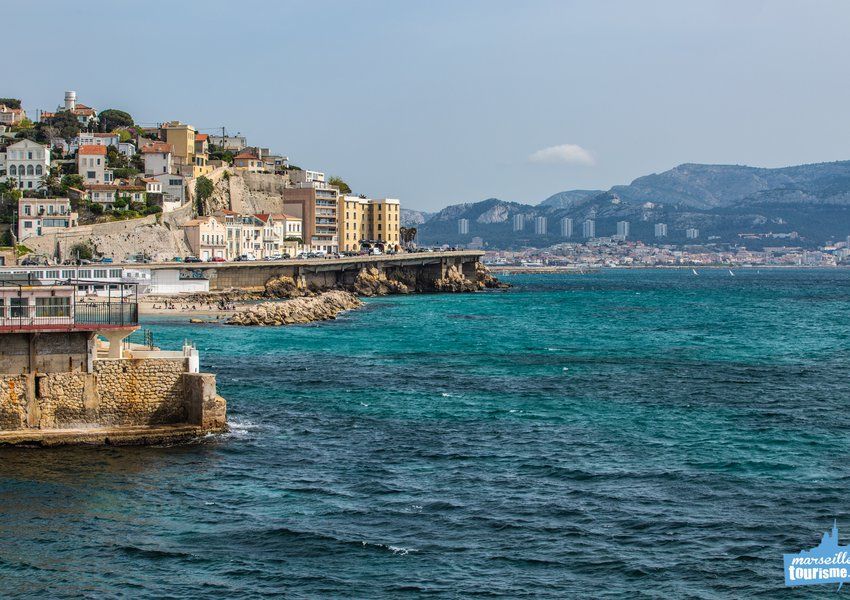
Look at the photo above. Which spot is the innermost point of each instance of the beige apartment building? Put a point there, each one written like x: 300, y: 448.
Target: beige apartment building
x: 367, y: 219
x: 261, y: 236
x: 206, y: 237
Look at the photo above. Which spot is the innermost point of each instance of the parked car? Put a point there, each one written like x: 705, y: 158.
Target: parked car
x: 244, y: 257
x: 177, y: 259
x: 274, y: 257
x: 106, y: 260
x: 191, y: 259
x: 375, y: 251
x: 218, y: 259
x: 320, y: 253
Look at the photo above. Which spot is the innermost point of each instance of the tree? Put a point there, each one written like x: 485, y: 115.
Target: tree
x: 337, y: 182
x: 81, y: 251
x: 66, y: 123
x: 95, y: 208
x: 71, y: 181
x: 123, y: 135
x: 11, y: 102
x: 112, y: 118
x: 204, y: 188
x: 23, y: 125
x: 137, y: 161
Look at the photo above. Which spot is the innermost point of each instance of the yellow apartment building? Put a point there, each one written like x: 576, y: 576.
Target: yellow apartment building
x: 369, y: 219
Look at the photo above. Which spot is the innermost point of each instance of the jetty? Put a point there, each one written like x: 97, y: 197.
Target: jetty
x: 68, y: 376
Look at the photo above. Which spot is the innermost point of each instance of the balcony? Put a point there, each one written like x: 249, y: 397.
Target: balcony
x: 69, y: 317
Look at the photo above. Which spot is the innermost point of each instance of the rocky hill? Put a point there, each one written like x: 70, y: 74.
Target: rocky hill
x: 722, y: 201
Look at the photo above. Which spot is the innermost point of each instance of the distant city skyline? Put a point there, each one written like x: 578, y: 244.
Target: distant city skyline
x: 600, y: 93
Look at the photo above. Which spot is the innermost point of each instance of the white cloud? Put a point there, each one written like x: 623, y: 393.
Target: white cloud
x: 570, y: 154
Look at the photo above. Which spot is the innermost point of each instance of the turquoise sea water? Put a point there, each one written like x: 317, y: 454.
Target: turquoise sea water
x: 623, y: 434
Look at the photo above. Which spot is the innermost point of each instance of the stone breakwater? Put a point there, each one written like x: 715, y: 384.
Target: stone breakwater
x: 323, y: 307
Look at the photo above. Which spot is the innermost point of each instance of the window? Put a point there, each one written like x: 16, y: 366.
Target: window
x: 51, y: 274
x: 18, y: 306
x: 115, y: 273
x: 99, y: 273
x: 90, y: 175
x: 53, y: 307
x: 85, y: 273
x: 38, y: 170
x: 13, y: 170
x: 68, y: 274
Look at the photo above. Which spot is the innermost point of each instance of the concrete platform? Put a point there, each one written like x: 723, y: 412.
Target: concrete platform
x: 104, y: 436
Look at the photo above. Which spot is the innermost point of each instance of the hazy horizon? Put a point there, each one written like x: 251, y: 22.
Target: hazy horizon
x: 445, y: 103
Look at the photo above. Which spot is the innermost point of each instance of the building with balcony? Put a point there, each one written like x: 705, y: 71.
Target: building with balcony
x: 318, y: 210
x: 206, y: 237
x: 40, y: 216
x: 368, y: 220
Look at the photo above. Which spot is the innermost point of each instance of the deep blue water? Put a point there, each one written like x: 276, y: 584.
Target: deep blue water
x: 626, y: 433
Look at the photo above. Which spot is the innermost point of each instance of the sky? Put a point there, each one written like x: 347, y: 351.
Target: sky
x: 442, y: 102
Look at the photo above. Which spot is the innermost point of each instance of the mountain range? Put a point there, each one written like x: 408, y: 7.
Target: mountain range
x: 726, y: 203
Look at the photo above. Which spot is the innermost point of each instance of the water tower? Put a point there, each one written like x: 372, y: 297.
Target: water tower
x: 70, y: 100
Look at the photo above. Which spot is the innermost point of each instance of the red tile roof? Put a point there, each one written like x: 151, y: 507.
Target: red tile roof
x: 246, y: 155
x: 157, y: 147
x: 201, y: 137
x: 86, y: 149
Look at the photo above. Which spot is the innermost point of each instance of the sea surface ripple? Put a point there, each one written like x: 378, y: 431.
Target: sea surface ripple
x: 621, y: 434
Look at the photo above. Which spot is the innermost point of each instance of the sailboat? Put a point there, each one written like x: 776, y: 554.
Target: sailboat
x: 731, y: 273
x: 695, y: 271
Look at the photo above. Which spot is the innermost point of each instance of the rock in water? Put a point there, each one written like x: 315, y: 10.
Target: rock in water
x: 323, y: 307
x: 374, y: 282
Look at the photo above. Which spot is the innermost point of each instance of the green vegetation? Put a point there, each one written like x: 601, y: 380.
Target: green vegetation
x: 204, y: 188
x: 72, y: 180
x: 11, y: 102
x: 82, y: 251
x: 21, y: 249
x: 338, y: 182
x: 217, y: 153
x: 23, y: 125
x: 112, y: 118
x: 64, y: 125
x: 125, y: 172
x: 123, y: 135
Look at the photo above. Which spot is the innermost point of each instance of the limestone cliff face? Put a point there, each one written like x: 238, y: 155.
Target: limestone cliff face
x: 323, y: 307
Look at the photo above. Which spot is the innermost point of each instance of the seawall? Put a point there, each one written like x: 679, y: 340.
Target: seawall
x: 121, y: 401
x: 420, y: 271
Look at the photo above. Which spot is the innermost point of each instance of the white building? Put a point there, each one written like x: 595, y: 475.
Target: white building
x: 158, y: 158
x: 173, y: 190
x: 26, y: 164
x: 95, y: 139
x: 692, y: 233
x: 304, y: 178
x: 40, y: 216
x: 660, y: 230
x: 91, y: 164
x: 622, y: 229
x: 463, y: 226
x: 541, y: 226
x: 519, y: 222
x: 127, y: 149
x: 566, y: 227
x: 588, y: 229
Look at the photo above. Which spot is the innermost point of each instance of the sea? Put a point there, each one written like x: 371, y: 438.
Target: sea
x: 626, y: 433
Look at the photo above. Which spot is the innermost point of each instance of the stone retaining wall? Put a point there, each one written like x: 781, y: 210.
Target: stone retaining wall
x: 120, y: 392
